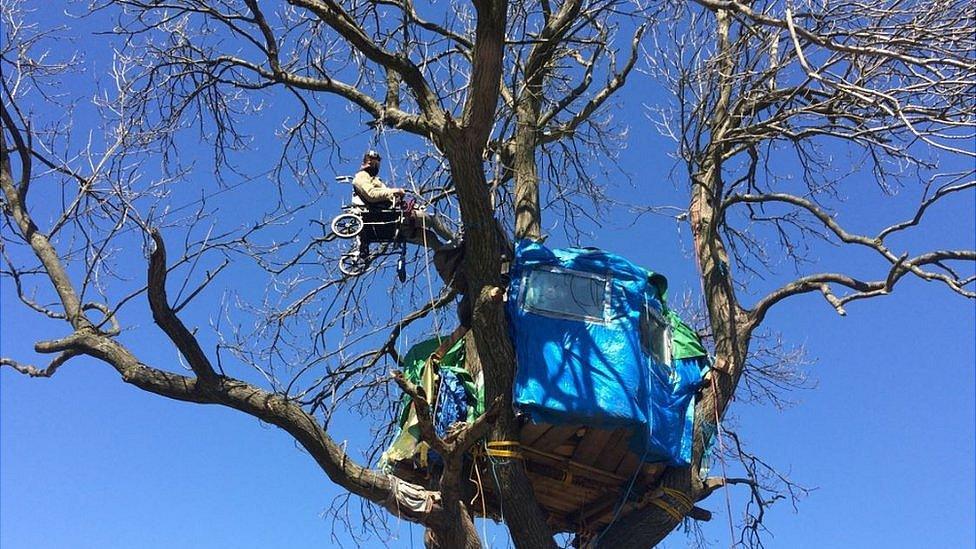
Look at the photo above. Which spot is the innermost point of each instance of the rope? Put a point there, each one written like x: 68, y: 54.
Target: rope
x: 623, y: 501
x: 671, y: 511
x: 676, y: 512
x: 430, y: 284
x: 681, y: 497
x: 381, y: 131
x: 498, y: 486
x: 480, y: 493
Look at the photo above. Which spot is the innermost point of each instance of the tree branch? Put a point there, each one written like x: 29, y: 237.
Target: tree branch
x: 166, y: 318
x: 900, y: 265
x: 425, y: 418
x: 39, y: 243
x: 33, y: 371
x: 336, y: 17
x: 615, y: 83
x: 827, y: 43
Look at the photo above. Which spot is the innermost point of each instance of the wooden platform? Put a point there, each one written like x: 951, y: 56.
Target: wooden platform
x: 579, y: 475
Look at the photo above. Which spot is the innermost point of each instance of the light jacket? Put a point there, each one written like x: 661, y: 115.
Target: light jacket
x: 371, y: 188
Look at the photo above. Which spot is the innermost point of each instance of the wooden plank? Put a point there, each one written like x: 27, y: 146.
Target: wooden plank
x: 628, y: 465
x: 554, y: 437
x: 602, y: 520
x: 558, y: 496
x: 600, y: 512
x: 565, y: 450
x: 650, y: 473
x: 615, y: 450
x: 562, y: 464
x: 594, y: 442
x: 532, y: 431
x: 597, y: 508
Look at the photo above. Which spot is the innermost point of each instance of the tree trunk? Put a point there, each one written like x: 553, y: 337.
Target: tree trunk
x: 457, y: 527
x: 729, y: 323
x: 528, y: 222
x: 490, y: 348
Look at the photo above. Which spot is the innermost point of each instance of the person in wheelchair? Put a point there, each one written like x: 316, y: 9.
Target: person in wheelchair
x: 370, y: 192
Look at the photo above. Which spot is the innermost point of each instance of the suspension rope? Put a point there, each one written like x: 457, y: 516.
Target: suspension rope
x: 725, y: 473
x: 381, y: 132
x: 622, y: 502
x: 475, y: 477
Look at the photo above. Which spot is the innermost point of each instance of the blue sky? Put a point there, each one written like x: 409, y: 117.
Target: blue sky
x: 886, y: 437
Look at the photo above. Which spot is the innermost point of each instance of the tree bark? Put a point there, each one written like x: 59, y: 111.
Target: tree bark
x: 489, y: 348
x: 528, y: 222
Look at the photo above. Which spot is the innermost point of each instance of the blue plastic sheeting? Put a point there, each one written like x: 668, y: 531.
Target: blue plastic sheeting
x: 452, y: 402
x: 576, y: 318
x: 673, y: 408
x: 578, y: 361
x: 452, y: 407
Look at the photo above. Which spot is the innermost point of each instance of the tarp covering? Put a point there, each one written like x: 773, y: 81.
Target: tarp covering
x: 453, y: 362
x: 595, y: 345
x: 673, y: 409
x: 684, y: 341
x: 591, y: 333
x: 416, y: 368
x: 452, y: 402
x: 458, y: 398
x: 577, y: 338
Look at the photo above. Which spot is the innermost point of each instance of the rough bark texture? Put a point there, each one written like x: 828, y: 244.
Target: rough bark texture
x: 489, y: 348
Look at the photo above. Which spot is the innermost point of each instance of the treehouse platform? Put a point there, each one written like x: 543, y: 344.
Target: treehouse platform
x: 580, y: 475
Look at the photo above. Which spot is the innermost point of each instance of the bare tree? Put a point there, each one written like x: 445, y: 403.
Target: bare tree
x: 504, y: 103
x: 759, y: 83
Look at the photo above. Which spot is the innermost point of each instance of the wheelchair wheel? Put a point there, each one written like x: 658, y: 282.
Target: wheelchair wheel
x: 353, y: 264
x: 347, y: 225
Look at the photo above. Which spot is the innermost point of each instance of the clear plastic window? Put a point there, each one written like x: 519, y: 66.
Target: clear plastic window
x: 655, y: 336
x: 566, y: 294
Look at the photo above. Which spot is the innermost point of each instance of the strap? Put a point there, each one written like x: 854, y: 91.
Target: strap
x: 680, y: 496
x: 504, y: 449
x: 676, y: 513
x: 671, y: 511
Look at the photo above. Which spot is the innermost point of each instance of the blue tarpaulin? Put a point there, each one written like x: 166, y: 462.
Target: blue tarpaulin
x: 451, y: 406
x: 673, y: 408
x: 592, y: 344
x: 452, y: 402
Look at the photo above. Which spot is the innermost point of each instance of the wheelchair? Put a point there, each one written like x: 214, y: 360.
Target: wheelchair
x: 387, y: 224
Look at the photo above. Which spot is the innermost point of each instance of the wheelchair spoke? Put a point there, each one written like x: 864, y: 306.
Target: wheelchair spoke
x: 347, y: 225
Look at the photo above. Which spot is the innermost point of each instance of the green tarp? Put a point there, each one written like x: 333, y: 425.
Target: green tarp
x: 418, y: 368
x: 685, y: 343
x: 684, y: 340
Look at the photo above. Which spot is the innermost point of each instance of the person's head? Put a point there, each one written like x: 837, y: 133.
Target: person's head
x: 371, y: 162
